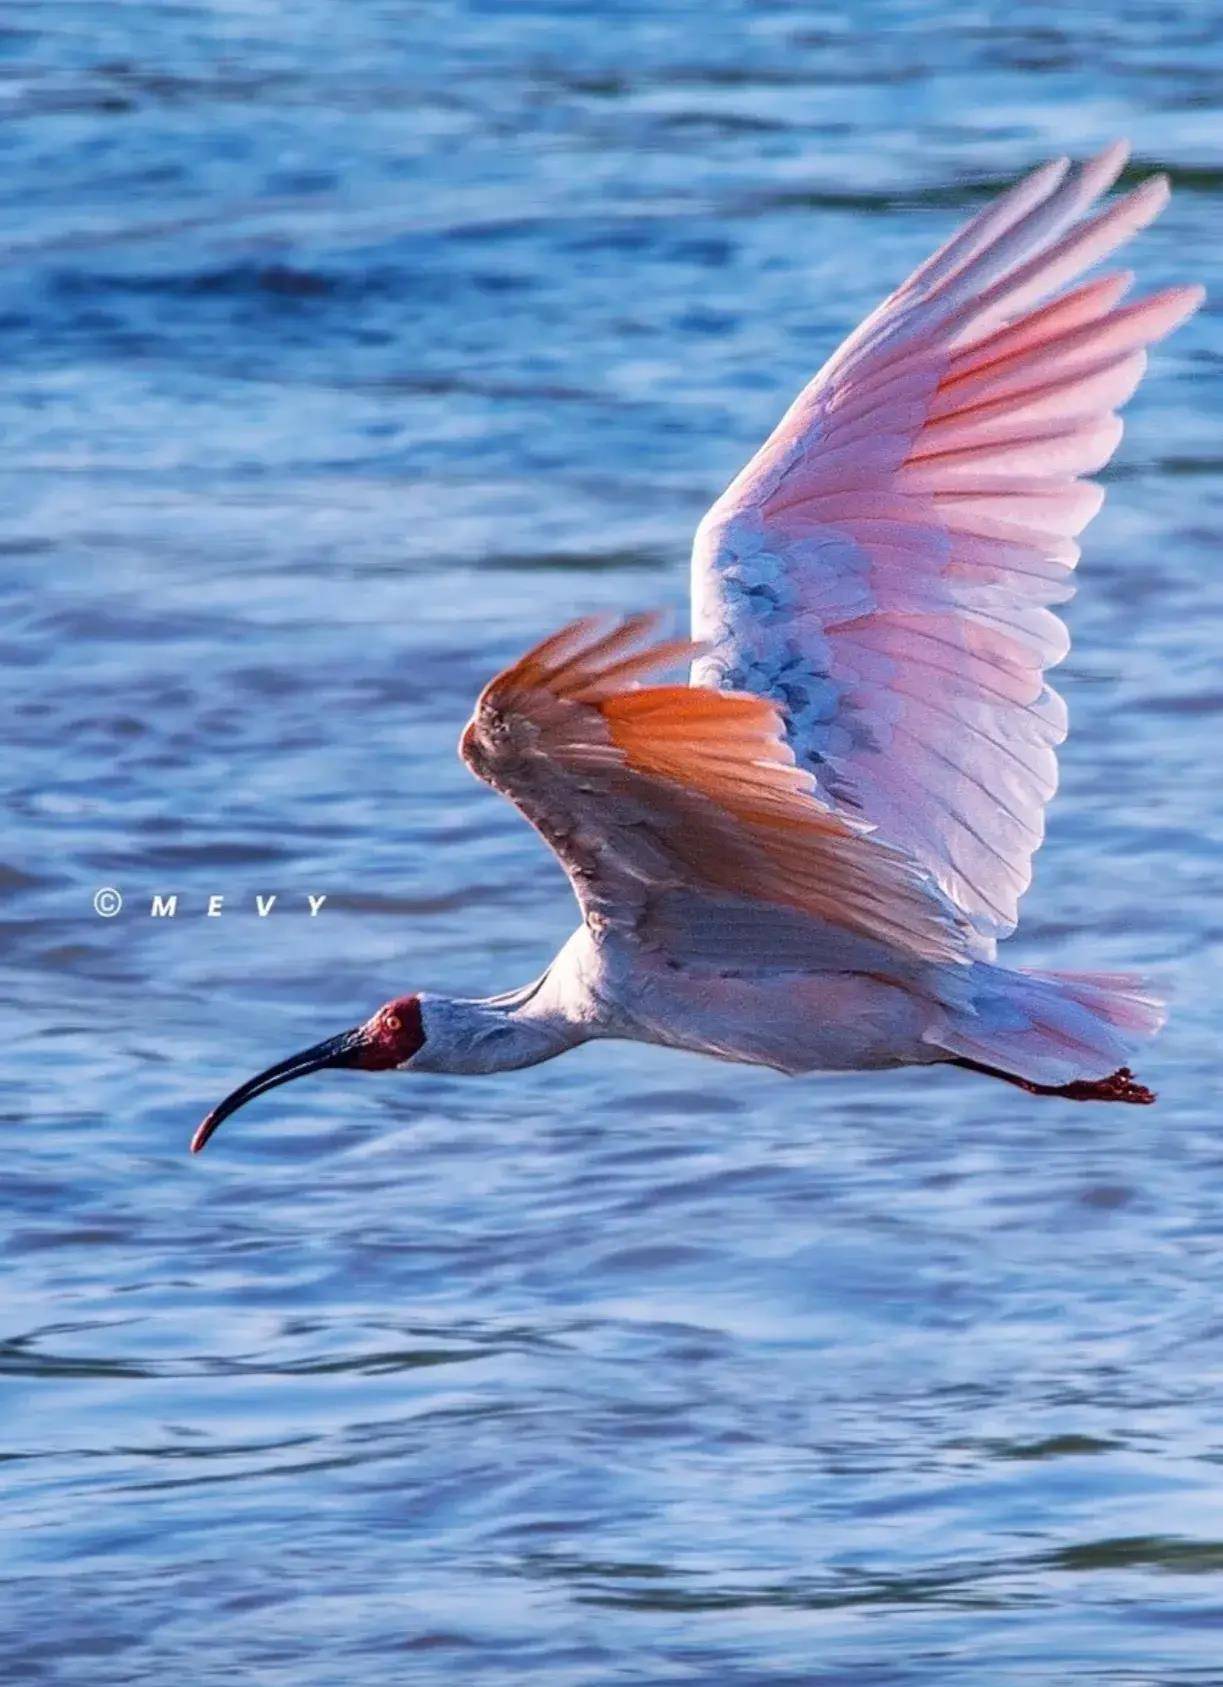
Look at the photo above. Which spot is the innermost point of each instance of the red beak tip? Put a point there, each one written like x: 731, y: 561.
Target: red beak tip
x: 200, y: 1137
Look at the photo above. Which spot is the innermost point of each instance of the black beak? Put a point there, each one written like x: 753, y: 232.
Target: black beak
x: 344, y: 1050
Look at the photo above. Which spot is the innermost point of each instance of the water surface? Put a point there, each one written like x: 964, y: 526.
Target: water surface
x: 347, y: 350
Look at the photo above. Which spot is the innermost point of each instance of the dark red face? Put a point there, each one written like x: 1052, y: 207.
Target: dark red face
x: 390, y: 1038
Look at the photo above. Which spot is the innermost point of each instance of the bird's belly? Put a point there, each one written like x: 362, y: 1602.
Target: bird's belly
x: 792, y: 1021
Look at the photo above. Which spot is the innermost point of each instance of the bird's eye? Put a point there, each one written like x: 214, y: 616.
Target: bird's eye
x: 392, y: 1024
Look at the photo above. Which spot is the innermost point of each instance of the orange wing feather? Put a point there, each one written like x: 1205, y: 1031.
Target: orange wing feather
x: 642, y: 790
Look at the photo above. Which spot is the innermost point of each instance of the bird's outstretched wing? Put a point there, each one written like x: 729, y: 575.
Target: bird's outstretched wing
x: 644, y: 791
x: 882, y: 568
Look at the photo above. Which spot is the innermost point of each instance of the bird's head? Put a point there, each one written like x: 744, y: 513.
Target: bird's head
x: 388, y: 1038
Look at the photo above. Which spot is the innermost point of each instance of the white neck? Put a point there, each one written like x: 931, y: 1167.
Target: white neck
x: 494, y: 1034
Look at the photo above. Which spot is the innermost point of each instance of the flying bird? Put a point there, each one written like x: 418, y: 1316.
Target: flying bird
x: 805, y: 857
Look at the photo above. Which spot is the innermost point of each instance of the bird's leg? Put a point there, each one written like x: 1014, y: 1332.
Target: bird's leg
x: 1120, y: 1085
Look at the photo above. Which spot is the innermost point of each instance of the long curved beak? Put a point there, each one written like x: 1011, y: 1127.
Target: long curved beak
x: 344, y: 1050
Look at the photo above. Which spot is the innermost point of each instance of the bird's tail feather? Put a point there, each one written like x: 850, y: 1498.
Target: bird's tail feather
x: 1050, y: 1028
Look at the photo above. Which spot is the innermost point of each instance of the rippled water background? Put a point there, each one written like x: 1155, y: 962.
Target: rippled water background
x: 346, y: 349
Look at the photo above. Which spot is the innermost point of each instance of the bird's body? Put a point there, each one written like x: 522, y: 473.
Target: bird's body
x: 795, y: 1019
x: 805, y: 857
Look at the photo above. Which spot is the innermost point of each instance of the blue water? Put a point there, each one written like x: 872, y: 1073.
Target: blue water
x: 348, y: 349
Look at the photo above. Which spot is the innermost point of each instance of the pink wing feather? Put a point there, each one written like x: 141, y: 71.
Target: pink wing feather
x: 882, y: 568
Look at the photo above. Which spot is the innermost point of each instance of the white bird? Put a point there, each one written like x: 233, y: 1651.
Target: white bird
x: 804, y: 858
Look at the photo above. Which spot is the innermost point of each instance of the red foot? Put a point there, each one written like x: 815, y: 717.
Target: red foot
x: 1120, y: 1086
